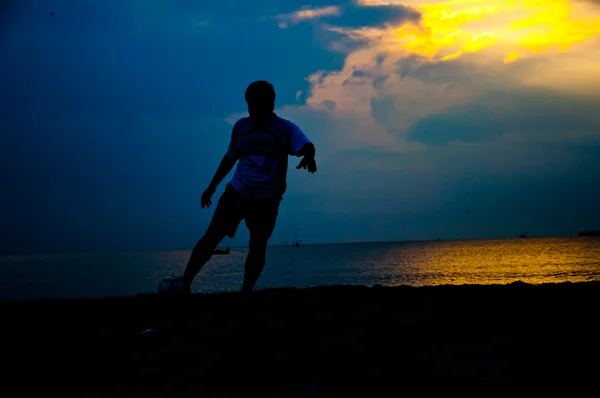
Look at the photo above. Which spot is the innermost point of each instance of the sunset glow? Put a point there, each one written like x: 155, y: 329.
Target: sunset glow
x: 516, y: 28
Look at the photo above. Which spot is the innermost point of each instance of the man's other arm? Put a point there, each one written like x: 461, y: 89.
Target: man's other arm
x: 225, y: 167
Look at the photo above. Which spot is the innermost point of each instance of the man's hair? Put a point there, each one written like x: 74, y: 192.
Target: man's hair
x: 261, y: 92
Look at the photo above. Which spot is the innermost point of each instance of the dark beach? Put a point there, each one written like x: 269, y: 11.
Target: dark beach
x: 318, y: 342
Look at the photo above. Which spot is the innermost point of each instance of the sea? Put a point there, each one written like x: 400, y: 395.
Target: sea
x: 428, y: 263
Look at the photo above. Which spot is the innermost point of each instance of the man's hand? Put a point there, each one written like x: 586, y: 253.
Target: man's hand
x: 308, y: 163
x: 205, y: 201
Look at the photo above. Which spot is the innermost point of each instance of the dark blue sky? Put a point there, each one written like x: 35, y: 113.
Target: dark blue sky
x: 114, y: 115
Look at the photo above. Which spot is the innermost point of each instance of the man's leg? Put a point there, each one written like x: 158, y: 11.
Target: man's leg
x: 255, y: 262
x: 202, y: 252
x: 261, y: 219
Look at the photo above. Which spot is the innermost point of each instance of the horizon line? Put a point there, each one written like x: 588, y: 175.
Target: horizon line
x: 283, y: 245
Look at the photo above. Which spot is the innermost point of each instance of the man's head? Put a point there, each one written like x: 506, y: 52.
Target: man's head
x: 260, y: 97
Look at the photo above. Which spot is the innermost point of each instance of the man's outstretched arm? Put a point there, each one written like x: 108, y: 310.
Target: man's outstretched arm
x: 224, y: 168
x: 308, y: 158
x: 302, y: 147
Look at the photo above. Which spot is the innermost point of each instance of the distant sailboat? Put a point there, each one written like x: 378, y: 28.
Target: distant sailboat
x: 297, y: 241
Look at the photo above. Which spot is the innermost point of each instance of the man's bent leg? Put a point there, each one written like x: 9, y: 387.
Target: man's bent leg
x: 225, y: 220
x: 255, y: 262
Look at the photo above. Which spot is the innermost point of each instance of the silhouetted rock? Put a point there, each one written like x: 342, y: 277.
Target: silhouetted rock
x: 589, y: 233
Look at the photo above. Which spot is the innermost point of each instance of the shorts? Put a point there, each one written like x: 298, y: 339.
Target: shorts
x: 260, y: 214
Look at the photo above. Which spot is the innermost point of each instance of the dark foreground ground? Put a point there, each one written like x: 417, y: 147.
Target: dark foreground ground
x: 319, y: 342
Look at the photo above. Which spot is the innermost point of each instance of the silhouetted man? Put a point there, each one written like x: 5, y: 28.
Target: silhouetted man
x: 261, y: 143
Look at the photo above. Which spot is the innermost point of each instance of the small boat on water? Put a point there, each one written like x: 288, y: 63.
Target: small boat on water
x: 224, y: 250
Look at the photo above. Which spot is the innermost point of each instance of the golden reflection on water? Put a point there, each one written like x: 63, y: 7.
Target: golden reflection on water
x: 498, y: 261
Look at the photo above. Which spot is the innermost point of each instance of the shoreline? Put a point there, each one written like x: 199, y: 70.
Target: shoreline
x: 321, y: 341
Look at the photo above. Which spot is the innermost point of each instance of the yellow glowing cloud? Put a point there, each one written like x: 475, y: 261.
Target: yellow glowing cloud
x: 518, y: 28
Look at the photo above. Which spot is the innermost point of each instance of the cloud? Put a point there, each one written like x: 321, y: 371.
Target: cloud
x: 448, y: 60
x: 352, y: 15
x: 307, y: 13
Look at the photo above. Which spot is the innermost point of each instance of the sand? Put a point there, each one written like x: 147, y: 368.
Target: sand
x: 317, y: 342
